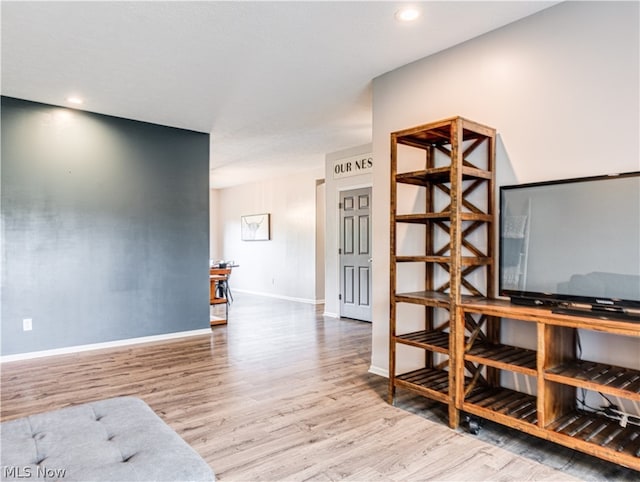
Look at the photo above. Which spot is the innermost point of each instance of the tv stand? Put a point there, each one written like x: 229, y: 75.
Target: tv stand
x: 612, y: 315
x: 552, y: 411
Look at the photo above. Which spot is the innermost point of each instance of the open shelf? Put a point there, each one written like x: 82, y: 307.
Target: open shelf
x: 426, y: 298
x: 439, y: 175
x: 431, y: 382
x: 498, y: 402
x: 423, y: 218
x: 433, y: 340
x: 599, y: 435
x: 504, y: 357
x: 464, y: 260
x: 613, y: 380
x: 436, y: 299
x: 439, y: 133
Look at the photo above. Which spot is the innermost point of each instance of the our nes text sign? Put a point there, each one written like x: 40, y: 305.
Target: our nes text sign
x: 352, y: 166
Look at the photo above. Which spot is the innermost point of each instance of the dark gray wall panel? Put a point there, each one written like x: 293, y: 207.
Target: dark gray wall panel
x: 105, y: 228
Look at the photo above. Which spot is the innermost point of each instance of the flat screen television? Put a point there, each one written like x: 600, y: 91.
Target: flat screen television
x: 573, y: 244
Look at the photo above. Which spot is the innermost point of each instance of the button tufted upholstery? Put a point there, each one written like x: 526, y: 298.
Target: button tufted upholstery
x: 119, y: 439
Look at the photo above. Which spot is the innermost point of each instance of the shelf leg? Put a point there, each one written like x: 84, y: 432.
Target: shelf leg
x: 454, y: 416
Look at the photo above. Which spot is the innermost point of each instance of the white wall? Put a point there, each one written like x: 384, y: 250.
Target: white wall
x: 332, y: 233
x: 561, y: 87
x: 285, y: 266
x: 215, y: 235
x: 320, y: 236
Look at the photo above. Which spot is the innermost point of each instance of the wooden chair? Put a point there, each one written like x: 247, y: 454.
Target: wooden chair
x: 218, y: 289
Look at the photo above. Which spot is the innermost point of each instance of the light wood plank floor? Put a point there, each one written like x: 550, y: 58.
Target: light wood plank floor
x: 282, y: 393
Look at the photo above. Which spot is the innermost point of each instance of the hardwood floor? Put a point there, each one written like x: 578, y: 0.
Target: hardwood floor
x: 281, y: 393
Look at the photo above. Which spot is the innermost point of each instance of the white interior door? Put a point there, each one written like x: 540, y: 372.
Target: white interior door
x: 355, y: 254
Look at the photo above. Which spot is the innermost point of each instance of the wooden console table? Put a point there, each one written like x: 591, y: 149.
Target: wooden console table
x: 553, y: 412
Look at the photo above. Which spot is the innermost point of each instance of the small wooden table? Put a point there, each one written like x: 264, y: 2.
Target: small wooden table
x: 218, y: 278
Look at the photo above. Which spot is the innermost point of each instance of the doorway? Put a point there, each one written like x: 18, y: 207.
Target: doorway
x: 355, y: 254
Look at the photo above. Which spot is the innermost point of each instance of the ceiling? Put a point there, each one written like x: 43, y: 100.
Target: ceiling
x: 277, y: 84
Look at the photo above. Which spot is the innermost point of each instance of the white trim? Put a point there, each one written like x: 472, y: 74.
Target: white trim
x: 281, y: 297
x: 331, y: 315
x: 383, y: 372
x: 100, y: 346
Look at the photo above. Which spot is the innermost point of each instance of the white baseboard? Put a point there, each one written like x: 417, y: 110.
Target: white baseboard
x: 383, y: 372
x: 100, y: 346
x: 331, y: 315
x: 280, y: 297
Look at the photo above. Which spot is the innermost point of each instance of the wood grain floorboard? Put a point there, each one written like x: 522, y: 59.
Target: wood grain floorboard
x: 282, y: 393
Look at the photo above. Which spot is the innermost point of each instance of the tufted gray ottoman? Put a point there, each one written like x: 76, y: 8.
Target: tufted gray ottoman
x: 119, y: 439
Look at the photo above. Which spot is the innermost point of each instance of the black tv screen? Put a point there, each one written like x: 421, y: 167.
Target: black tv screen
x: 572, y: 241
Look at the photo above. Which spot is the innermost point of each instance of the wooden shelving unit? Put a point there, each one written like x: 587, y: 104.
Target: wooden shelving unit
x: 553, y: 413
x: 448, y: 167
x: 442, y: 233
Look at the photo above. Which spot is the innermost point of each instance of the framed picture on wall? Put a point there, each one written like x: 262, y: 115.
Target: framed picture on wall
x: 255, y: 227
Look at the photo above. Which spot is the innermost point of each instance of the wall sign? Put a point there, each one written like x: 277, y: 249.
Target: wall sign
x: 352, y: 166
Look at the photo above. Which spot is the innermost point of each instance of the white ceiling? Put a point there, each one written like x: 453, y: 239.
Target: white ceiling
x: 277, y: 84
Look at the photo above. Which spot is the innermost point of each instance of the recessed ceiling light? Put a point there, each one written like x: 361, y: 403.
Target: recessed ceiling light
x: 408, y: 14
x: 75, y: 100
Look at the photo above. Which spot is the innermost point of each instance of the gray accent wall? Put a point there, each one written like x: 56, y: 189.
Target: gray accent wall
x: 105, y: 228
